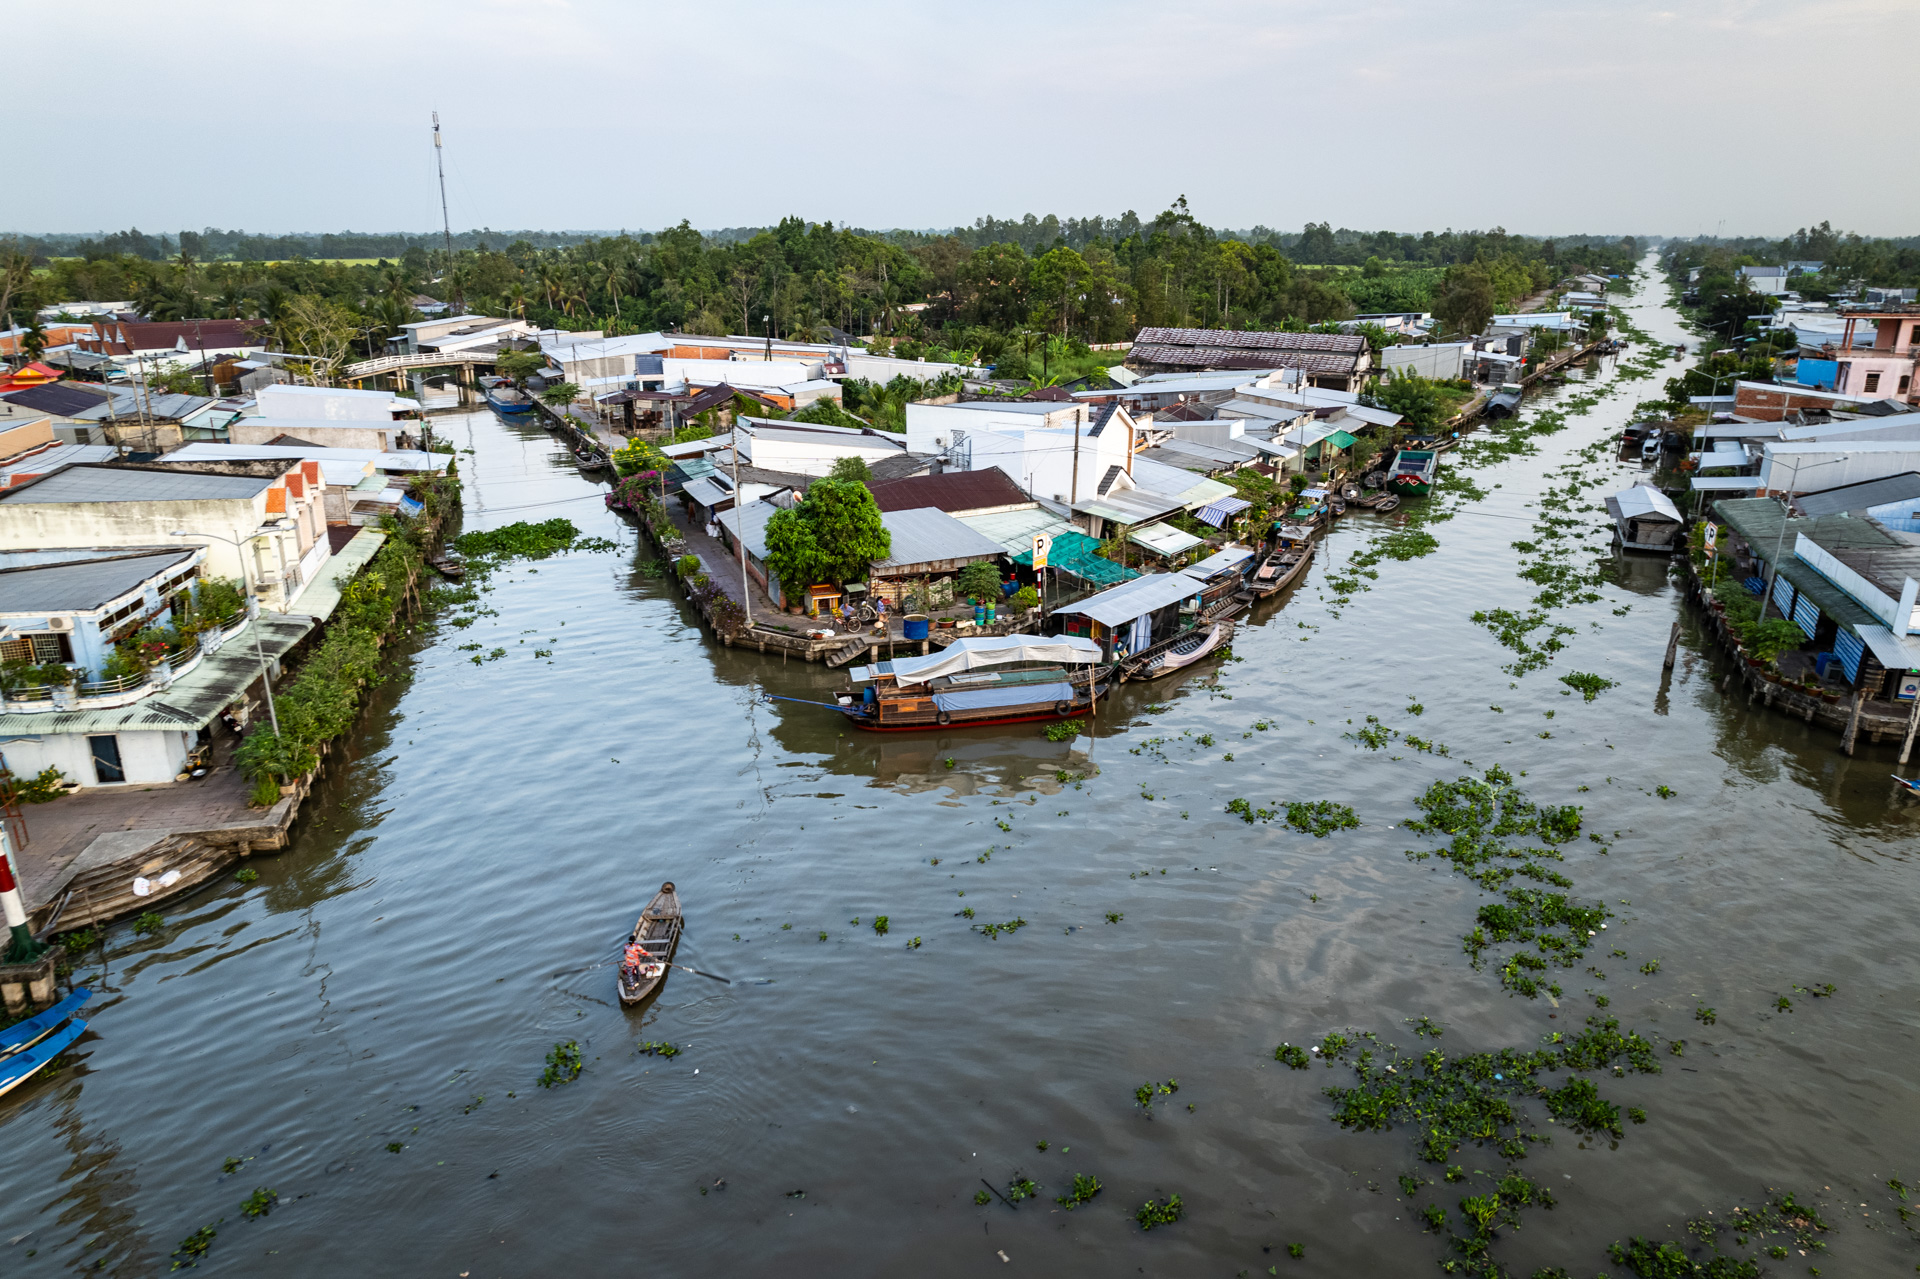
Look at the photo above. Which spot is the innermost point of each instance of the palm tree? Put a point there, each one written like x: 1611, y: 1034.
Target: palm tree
x: 186, y: 262
x: 516, y: 300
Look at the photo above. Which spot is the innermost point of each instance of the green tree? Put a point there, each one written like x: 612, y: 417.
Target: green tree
x: 1415, y: 398
x: 560, y: 394
x: 853, y: 469
x: 1464, y: 301
x: 833, y: 535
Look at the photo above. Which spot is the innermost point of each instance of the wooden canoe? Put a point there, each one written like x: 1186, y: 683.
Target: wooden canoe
x: 1280, y: 570
x: 644, y: 959
x: 25, y: 1034
x: 1182, y: 652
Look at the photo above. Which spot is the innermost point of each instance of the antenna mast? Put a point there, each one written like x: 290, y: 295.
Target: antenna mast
x: 446, y: 225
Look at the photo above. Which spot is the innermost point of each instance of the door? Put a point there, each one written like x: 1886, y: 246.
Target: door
x: 106, y: 759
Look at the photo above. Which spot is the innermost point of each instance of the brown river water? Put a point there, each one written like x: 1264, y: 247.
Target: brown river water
x: 400, y: 972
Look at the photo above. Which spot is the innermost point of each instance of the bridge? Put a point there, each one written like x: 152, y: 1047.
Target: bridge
x: 394, y: 363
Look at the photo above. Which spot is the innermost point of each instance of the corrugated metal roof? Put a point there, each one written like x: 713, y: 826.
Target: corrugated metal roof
x: 924, y: 535
x: 1230, y: 556
x: 1349, y: 342
x: 1211, y: 356
x: 80, y: 586
x: 1903, y: 487
x: 1129, y: 600
x: 1015, y: 530
x: 192, y: 701
x: 1131, y: 506
x: 1640, y: 500
x: 88, y: 482
x: 953, y: 491
x: 1164, y: 539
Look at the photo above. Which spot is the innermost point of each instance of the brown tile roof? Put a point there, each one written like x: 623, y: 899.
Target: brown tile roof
x: 1210, y: 357
x: 1236, y: 339
x: 953, y: 492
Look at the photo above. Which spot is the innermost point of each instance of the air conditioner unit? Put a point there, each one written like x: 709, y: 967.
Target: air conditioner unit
x: 59, y: 623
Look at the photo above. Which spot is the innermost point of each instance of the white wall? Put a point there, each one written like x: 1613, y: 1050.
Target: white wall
x: 931, y: 427
x: 328, y: 434
x: 325, y: 404
x: 1442, y: 360
x: 814, y: 456
x: 146, y: 757
x: 754, y: 374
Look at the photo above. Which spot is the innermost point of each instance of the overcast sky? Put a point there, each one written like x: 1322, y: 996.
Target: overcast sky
x: 1759, y: 116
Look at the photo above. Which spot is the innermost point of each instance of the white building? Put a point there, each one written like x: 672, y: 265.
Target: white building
x: 331, y: 404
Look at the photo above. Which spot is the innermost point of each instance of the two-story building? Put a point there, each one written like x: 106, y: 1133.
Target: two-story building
x: 262, y: 520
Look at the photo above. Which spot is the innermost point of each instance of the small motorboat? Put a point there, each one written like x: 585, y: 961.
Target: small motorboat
x: 1910, y: 787
x: 505, y: 397
x: 648, y: 952
x: 1413, y: 472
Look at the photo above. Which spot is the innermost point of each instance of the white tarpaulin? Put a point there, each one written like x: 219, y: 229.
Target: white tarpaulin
x: 997, y: 650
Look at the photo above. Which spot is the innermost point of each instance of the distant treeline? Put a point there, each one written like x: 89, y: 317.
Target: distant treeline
x: 213, y: 244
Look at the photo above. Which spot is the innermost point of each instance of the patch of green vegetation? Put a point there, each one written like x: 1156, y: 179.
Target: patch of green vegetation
x: 994, y: 930
x: 148, y: 922
x: 193, y: 1248
x: 1320, y: 818
x: 659, y: 1048
x: 260, y: 1202
x: 1066, y: 730
x: 1588, y: 686
x: 563, y: 1064
x: 247, y: 875
x: 982, y: 1198
x: 1292, y: 1055
x: 1021, y: 1188
x: 1154, y: 1213
x: 1084, y: 1189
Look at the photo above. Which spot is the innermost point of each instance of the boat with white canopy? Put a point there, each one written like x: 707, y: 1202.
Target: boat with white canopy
x: 1003, y: 679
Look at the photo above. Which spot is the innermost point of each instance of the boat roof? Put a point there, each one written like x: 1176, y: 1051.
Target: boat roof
x: 1640, y: 501
x: 1129, y: 600
x: 1231, y: 556
x: 984, y: 650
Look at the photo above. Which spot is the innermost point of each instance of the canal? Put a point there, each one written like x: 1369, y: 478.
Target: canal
x: 363, y: 1028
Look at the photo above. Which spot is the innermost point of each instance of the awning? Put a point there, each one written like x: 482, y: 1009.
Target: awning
x: 1227, y: 558
x: 1164, y: 539
x: 1895, y: 652
x: 971, y: 654
x: 1725, y: 483
x: 1073, y: 552
x: 1341, y: 440
x: 1131, y: 599
x: 1218, y: 513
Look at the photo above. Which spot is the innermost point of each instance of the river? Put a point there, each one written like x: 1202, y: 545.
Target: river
x: 397, y: 976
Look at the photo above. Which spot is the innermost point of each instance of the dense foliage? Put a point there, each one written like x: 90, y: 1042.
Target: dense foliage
x: 833, y: 535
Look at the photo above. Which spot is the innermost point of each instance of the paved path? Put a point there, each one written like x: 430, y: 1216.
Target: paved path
x: 60, y: 831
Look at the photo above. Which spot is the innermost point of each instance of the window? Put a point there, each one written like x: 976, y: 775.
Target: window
x: 1906, y: 382
x: 1873, y: 382
x: 50, y: 648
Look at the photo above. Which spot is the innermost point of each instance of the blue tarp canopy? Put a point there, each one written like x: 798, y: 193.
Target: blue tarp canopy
x: 976, y: 699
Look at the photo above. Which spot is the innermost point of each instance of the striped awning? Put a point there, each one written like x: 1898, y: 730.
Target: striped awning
x: 1218, y: 513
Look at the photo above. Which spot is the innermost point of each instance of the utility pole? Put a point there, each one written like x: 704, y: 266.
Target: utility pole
x: 446, y: 223
x: 740, y: 528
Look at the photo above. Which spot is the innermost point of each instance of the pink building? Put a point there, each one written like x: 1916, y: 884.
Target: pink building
x: 1881, y: 368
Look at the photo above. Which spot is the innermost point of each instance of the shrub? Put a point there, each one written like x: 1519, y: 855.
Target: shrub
x: 38, y: 789
x: 1026, y: 597
x: 980, y: 580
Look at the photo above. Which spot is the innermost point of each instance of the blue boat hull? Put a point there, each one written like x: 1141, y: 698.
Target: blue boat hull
x: 25, y: 1034
x: 20, y: 1067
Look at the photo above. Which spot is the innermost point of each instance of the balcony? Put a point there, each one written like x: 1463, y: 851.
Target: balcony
x: 100, y: 695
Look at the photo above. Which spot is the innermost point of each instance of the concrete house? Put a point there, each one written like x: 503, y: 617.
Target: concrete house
x: 273, y: 509
x: 332, y: 404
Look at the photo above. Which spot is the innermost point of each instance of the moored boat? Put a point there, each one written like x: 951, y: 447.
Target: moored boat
x: 1412, y: 472
x: 1006, y: 679
x: 505, y: 397
x: 1177, y: 654
x: 649, y: 949
x: 1292, y: 552
x: 448, y: 567
x: 25, y: 1034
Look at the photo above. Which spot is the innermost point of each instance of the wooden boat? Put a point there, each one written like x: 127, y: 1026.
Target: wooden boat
x: 1412, y: 472
x: 1337, y: 505
x: 1292, y: 552
x: 1176, y: 654
x: 22, y: 1066
x: 446, y: 566
x: 25, y: 1034
x: 504, y: 397
x: 1910, y: 787
x: 644, y: 960
x: 1033, y: 678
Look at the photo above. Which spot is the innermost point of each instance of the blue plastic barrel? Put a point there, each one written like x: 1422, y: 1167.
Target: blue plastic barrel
x: 916, y: 626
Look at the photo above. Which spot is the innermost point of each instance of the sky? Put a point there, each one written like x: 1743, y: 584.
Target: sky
x: 1566, y: 117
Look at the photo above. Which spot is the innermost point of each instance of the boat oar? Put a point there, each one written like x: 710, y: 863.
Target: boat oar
x: 696, y: 972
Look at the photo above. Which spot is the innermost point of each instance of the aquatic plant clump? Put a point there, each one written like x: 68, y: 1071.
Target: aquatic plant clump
x: 522, y: 539
x: 1320, y: 818
x: 1587, y: 685
x: 1066, y: 730
x: 260, y: 1202
x: 1154, y: 1213
x: 1084, y: 1189
x: 563, y: 1065
x: 1783, y: 1216
x: 1481, y: 816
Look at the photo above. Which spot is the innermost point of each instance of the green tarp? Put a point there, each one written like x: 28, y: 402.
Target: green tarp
x: 1341, y: 440
x: 1074, y: 553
